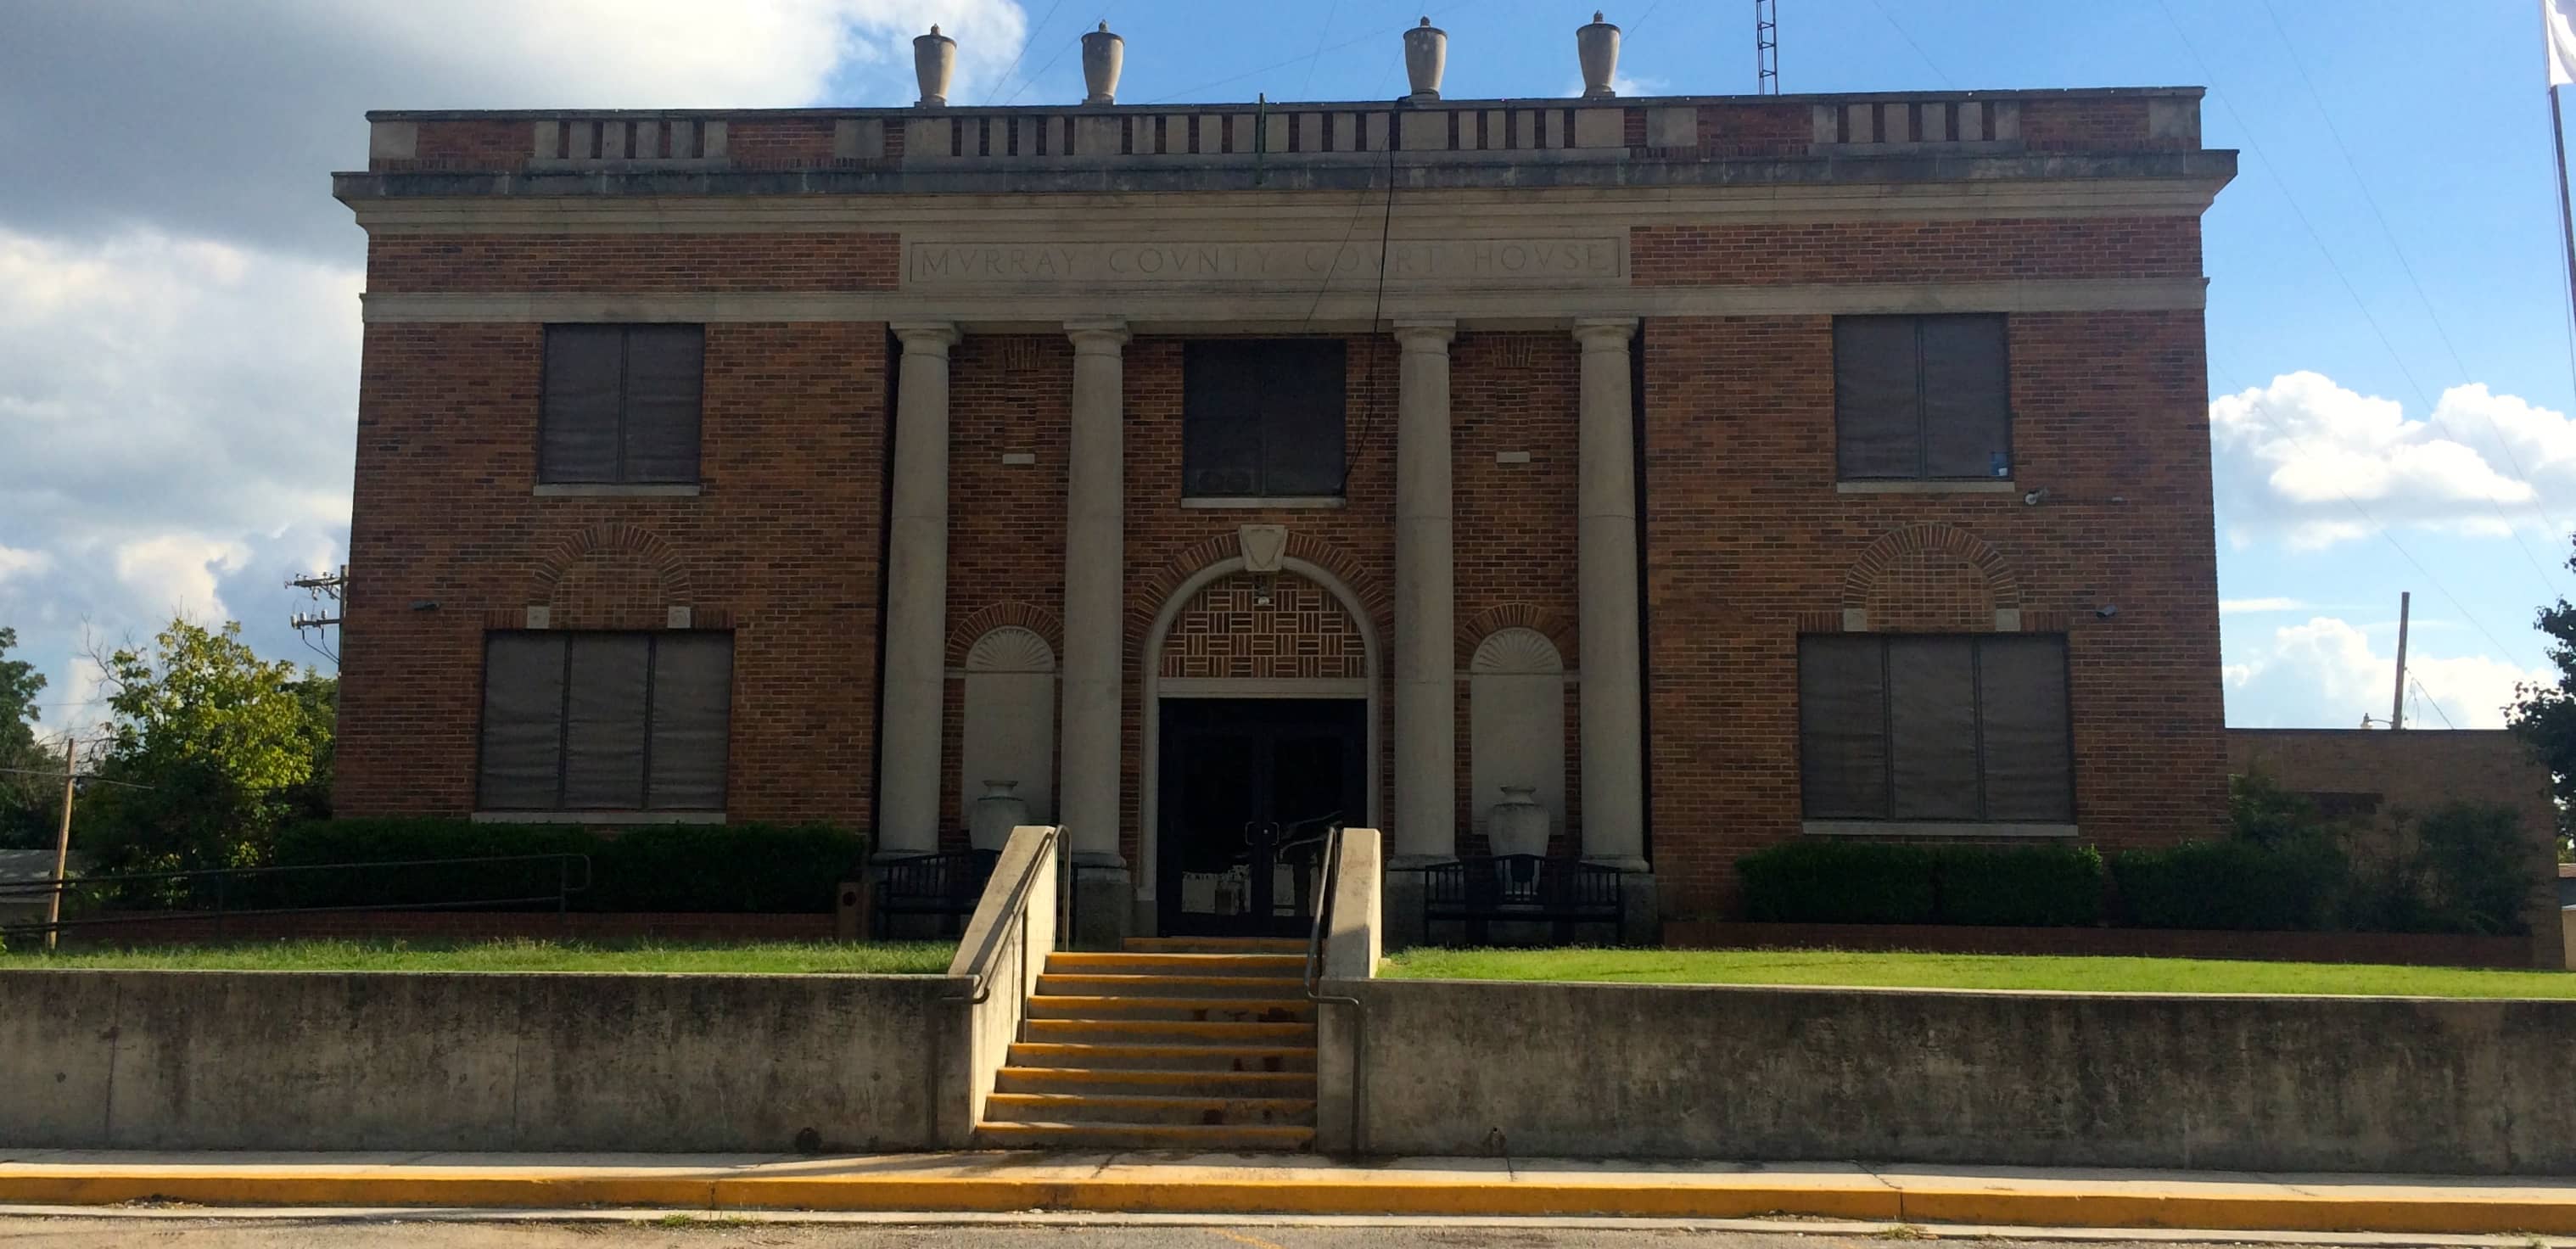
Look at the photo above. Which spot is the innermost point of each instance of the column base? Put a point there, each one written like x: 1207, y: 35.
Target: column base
x: 1104, y: 902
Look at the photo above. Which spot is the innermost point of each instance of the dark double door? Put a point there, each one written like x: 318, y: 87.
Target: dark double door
x: 1249, y: 787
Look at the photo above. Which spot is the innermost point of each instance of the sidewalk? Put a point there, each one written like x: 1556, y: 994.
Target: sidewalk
x: 1135, y: 1183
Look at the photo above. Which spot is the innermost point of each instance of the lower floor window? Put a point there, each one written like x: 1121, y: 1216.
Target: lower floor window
x: 1968, y: 728
x: 605, y: 721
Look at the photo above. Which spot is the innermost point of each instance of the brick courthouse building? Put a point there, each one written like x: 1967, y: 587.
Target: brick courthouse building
x: 1721, y: 470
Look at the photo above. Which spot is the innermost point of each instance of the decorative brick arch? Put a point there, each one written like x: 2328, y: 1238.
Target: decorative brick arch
x: 1553, y: 626
x: 1155, y: 587
x: 612, y: 576
x: 1931, y: 577
x: 963, y: 634
x: 1264, y: 626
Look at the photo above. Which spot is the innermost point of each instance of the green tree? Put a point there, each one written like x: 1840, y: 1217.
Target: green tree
x: 211, y: 748
x: 29, y: 794
x: 2545, y: 715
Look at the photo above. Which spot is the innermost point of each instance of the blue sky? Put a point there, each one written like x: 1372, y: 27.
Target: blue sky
x: 2388, y: 341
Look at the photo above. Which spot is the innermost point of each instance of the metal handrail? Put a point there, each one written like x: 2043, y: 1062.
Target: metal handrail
x: 1016, y: 909
x: 565, y: 886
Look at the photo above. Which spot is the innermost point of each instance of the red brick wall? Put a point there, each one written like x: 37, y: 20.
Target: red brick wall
x: 2412, y: 773
x: 1778, y: 253
x: 1749, y: 544
x: 782, y: 547
x: 631, y: 263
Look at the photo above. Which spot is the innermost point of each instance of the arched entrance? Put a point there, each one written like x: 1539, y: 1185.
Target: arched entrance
x: 1260, y: 705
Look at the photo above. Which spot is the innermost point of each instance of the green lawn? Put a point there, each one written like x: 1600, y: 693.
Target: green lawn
x: 1971, y: 971
x: 775, y: 957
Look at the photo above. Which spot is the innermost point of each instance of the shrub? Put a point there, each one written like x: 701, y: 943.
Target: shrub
x: 1838, y: 882
x: 2475, y: 868
x: 2231, y: 884
x: 2024, y: 886
x: 701, y: 867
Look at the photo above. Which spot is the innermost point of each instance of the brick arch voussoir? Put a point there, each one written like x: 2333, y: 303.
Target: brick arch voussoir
x: 971, y: 627
x: 1472, y: 631
x: 619, y: 538
x: 1166, y: 579
x: 2003, y: 581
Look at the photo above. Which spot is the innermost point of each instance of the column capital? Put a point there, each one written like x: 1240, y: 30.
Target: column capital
x: 1097, y: 335
x: 1604, y: 333
x: 925, y: 338
x: 1425, y: 333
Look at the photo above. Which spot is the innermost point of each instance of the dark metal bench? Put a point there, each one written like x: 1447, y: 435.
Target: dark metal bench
x: 947, y: 885
x: 1522, y: 888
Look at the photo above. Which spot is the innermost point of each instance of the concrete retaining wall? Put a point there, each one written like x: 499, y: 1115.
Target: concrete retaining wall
x: 2233, y: 1083
x: 488, y: 1061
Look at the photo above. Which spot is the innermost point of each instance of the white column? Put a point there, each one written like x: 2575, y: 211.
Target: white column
x: 1094, y: 575
x: 1426, y: 681
x: 916, y: 640
x: 1614, y: 809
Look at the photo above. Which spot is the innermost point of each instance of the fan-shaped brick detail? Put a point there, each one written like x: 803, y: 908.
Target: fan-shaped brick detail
x: 1156, y: 586
x: 613, y: 576
x: 1518, y: 652
x: 971, y: 628
x: 1227, y: 630
x: 1010, y: 649
x: 1474, y: 630
x: 1931, y: 577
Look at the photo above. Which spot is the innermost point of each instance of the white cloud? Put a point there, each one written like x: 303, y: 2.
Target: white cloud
x: 14, y: 561
x: 180, y: 568
x: 2256, y: 606
x: 2331, y: 664
x: 2295, y: 458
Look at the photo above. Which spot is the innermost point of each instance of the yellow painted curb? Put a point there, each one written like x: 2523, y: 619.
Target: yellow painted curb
x: 1895, y: 1199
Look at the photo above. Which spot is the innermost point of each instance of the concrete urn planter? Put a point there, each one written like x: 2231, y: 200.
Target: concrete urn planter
x: 1517, y: 824
x: 934, y: 59
x: 996, y: 813
x: 1103, y: 56
x: 1426, y: 57
x: 1597, y: 46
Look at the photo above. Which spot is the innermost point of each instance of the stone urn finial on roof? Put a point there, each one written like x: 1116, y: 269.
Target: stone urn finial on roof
x: 1597, y: 47
x: 1426, y: 57
x: 1103, y: 56
x: 934, y: 59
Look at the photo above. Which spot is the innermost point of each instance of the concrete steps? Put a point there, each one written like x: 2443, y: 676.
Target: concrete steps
x: 1172, y: 1043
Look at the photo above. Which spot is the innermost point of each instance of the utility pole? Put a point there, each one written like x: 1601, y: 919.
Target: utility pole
x: 2397, y: 713
x: 62, y: 843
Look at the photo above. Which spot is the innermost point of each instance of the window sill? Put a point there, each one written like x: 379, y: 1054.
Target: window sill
x: 1307, y: 502
x: 1979, y: 485
x: 607, y: 490
x: 599, y: 817
x: 1930, y: 828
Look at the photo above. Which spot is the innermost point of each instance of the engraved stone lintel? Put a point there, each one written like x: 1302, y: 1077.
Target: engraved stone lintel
x: 1592, y: 261
x: 1262, y: 546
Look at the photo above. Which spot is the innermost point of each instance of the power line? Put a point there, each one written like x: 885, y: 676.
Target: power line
x: 2255, y: 144
x: 1068, y: 46
x: 2427, y: 697
x: 1321, y: 33
x: 1023, y: 55
x: 1347, y: 43
x: 1909, y: 42
x: 2440, y: 330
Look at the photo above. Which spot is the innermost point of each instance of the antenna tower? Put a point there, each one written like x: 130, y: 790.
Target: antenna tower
x: 1766, y: 47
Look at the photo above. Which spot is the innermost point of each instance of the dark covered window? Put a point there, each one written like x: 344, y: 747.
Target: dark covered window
x: 605, y: 721
x: 1261, y: 417
x: 1921, y: 397
x: 621, y: 405
x: 1935, y: 728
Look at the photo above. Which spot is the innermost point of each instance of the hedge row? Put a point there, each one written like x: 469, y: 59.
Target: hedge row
x: 1849, y: 882
x: 742, y: 868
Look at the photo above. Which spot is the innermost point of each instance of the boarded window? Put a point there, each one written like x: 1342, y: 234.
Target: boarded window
x: 621, y: 404
x: 1951, y: 729
x: 1262, y: 417
x: 1921, y: 397
x: 605, y: 721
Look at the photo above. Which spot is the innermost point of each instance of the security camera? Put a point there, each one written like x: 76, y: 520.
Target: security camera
x: 2107, y: 610
x: 2036, y: 497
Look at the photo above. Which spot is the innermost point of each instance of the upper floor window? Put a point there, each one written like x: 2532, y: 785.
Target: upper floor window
x: 577, y: 721
x: 1921, y: 397
x: 621, y: 405
x: 1262, y: 418
x: 1954, y: 729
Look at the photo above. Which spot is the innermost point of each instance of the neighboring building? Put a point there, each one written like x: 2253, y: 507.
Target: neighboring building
x: 25, y: 876
x: 1718, y: 468
x: 2383, y: 780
